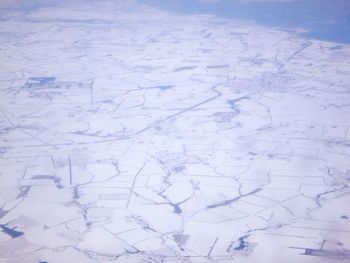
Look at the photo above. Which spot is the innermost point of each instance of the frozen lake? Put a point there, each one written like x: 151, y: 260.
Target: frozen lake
x: 174, y: 131
x: 324, y: 20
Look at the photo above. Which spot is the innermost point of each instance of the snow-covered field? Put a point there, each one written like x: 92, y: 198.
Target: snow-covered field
x: 132, y: 134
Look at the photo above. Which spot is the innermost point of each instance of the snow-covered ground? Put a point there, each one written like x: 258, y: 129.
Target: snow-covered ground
x: 132, y: 134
